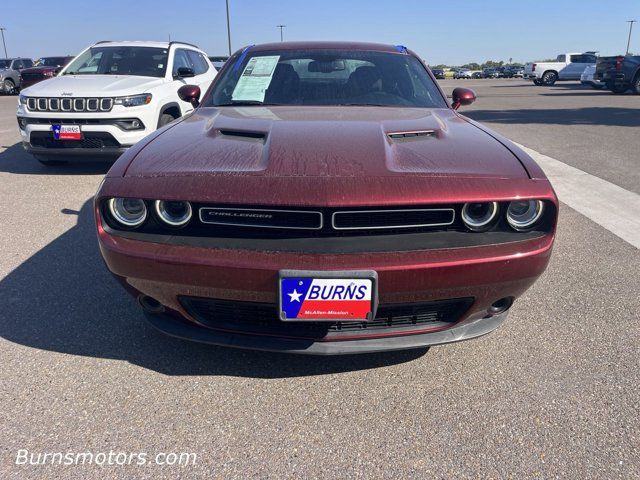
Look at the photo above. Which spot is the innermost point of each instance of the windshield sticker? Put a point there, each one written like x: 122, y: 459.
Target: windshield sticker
x: 255, y: 79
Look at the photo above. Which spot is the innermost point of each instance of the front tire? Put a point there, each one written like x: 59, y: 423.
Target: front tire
x: 537, y: 82
x: 636, y: 85
x: 549, y: 78
x: 618, y: 89
x: 164, y: 119
x: 9, y: 87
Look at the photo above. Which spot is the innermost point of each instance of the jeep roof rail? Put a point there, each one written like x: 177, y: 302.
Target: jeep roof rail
x: 184, y: 43
x: 103, y: 41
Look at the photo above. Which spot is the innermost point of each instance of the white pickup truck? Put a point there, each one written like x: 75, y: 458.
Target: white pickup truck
x: 568, y: 66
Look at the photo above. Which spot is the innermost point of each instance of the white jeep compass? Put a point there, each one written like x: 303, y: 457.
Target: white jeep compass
x: 109, y: 97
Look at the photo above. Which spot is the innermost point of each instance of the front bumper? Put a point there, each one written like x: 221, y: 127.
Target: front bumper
x: 175, y: 327
x: 169, y: 272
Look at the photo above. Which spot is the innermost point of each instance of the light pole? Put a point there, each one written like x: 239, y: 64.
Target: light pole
x: 280, y: 27
x: 228, y: 29
x: 2, y: 29
x: 630, y: 22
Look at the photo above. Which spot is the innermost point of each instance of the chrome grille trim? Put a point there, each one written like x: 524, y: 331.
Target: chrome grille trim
x: 69, y: 104
x: 387, y: 227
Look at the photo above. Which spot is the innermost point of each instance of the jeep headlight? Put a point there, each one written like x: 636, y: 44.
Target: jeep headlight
x: 133, y: 100
x: 22, y: 99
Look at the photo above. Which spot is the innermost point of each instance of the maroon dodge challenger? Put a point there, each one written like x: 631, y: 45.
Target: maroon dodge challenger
x: 326, y: 198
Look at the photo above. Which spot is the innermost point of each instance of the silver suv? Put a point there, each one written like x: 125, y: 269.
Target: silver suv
x: 10, y: 69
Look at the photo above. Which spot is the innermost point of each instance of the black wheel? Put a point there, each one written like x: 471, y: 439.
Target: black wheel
x: 537, y: 82
x: 617, y: 88
x: 549, y: 78
x: 164, y: 119
x: 636, y: 85
x: 9, y: 87
x: 51, y: 162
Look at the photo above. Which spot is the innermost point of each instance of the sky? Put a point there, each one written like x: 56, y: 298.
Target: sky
x: 451, y: 32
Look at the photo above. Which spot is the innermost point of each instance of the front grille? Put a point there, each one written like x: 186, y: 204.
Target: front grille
x: 409, y: 218
x: 95, y: 140
x: 66, y: 104
x: 260, y: 222
x: 262, y: 218
x: 262, y: 318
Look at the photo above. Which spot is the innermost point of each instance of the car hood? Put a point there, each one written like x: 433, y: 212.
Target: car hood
x: 93, y: 86
x: 38, y: 69
x: 232, y: 153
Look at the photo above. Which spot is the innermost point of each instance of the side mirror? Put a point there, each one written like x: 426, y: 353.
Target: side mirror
x: 462, y: 96
x: 190, y: 93
x: 185, y: 72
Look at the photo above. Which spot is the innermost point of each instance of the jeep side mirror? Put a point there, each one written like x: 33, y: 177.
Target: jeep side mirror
x: 190, y: 93
x: 185, y: 72
x: 462, y: 96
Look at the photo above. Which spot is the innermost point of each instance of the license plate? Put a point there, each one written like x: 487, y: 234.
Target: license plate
x: 328, y: 296
x: 66, y: 132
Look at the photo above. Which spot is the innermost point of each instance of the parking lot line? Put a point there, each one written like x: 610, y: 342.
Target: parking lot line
x: 607, y: 204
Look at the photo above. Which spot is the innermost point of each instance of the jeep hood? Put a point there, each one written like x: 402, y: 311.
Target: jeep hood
x: 93, y: 86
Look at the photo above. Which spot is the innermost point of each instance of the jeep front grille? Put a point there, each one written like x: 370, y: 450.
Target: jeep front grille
x: 66, y: 104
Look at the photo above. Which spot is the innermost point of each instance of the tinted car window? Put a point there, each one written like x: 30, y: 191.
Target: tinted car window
x: 198, y: 63
x: 327, y: 77
x: 50, y: 62
x: 181, y: 60
x: 561, y: 58
x: 139, y: 61
x: 26, y: 63
x: 17, y: 64
x: 5, y: 63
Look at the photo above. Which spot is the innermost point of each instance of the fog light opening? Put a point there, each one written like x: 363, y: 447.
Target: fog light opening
x: 150, y: 304
x: 500, y: 306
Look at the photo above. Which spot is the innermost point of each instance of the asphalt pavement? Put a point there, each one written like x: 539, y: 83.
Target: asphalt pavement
x: 552, y: 393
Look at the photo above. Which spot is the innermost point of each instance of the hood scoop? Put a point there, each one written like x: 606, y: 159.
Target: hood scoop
x: 414, y: 135
x: 243, y: 134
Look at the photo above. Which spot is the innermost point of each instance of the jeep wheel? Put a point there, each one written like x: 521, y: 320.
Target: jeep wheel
x: 9, y: 87
x: 549, y: 78
x: 537, y: 82
x: 164, y: 119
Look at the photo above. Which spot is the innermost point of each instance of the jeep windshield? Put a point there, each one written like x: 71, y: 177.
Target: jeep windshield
x: 326, y: 77
x: 102, y: 60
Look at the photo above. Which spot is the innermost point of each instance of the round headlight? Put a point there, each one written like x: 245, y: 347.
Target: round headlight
x: 174, y: 213
x: 523, y: 214
x: 130, y: 212
x: 479, y: 216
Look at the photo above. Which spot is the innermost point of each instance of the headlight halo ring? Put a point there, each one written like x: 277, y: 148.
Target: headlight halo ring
x: 116, y: 205
x: 161, y: 212
x: 528, y: 223
x: 479, y: 225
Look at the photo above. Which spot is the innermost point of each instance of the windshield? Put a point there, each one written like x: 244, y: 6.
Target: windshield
x: 49, y: 62
x: 140, y: 61
x: 326, y: 77
x: 5, y: 63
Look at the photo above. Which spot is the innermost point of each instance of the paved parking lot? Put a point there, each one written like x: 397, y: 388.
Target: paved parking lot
x: 554, y: 392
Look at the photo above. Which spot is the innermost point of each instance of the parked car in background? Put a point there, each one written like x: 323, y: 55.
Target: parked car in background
x: 587, y: 78
x: 43, y: 68
x: 438, y: 73
x: 218, y: 61
x: 490, y: 73
x: 511, y: 71
x: 619, y: 73
x: 476, y: 73
x: 109, y: 97
x: 233, y: 228
x: 461, y: 73
x: 10, y: 69
x: 568, y: 66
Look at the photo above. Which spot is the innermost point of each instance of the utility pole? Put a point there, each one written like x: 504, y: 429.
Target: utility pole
x: 2, y: 29
x: 228, y: 29
x: 280, y: 27
x: 630, y: 22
